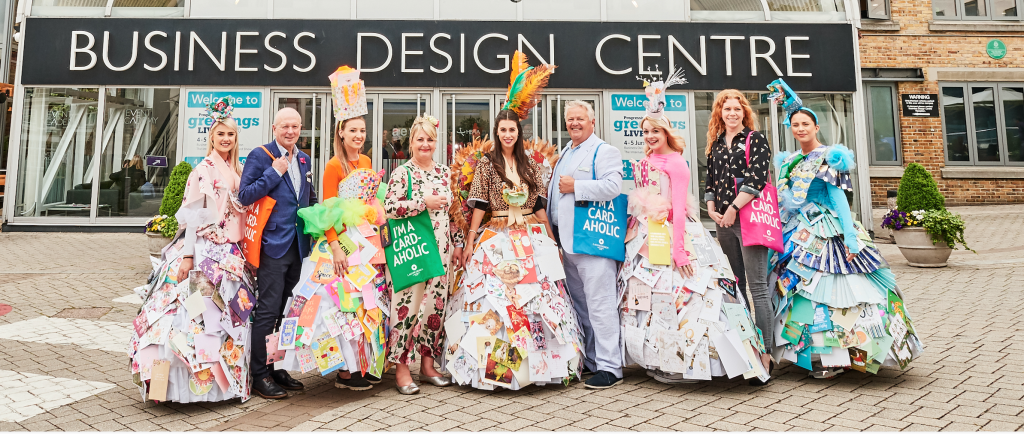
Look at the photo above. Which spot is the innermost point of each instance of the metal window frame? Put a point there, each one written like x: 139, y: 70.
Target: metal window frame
x: 989, y: 15
x: 973, y: 122
x: 972, y: 142
x: 968, y: 121
x: 866, y: 12
x: 1004, y: 144
x: 870, y: 121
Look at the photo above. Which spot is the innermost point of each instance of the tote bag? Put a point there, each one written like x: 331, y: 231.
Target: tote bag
x: 411, y: 248
x: 600, y: 226
x: 760, y: 224
x: 255, y: 220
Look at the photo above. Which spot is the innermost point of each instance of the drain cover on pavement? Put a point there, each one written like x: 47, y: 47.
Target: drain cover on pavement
x: 86, y: 313
x: 5, y: 309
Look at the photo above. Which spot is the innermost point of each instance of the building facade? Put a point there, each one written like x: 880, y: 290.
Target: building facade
x: 109, y: 95
x: 944, y: 84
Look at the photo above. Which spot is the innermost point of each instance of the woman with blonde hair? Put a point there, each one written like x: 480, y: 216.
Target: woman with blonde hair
x: 420, y: 185
x: 732, y: 182
x: 205, y: 254
x: 663, y: 220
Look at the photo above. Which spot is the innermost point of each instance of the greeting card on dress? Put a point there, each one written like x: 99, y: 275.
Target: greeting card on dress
x: 289, y: 331
x: 327, y: 354
x: 518, y: 318
x: 670, y: 351
x: 845, y: 318
x: 639, y: 297
x: 634, y: 338
x: 323, y: 271
x: 306, y: 360
x: 659, y: 244
x: 538, y: 361
x: 802, y: 310
x: 308, y: 288
x: 194, y: 305
x: 731, y: 353
x: 698, y: 366
x: 242, y: 304
x: 158, y: 384
x: 712, y: 307
x: 837, y: 359
x: 210, y: 268
x: 273, y: 354
x: 207, y: 347
x: 529, y: 266
x: 739, y: 321
x: 522, y: 246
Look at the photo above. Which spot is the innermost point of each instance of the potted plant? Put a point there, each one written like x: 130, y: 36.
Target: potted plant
x: 161, y: 228
x: 925, y: 231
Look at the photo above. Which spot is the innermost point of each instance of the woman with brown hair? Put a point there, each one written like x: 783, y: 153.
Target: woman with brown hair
x: 731, y: 184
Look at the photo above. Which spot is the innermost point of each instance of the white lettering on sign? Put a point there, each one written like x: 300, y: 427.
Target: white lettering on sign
x: 790, y: 56
x: 674, y: 44
x: 754, y: 55
x: 106, y: 47
x: 149, y: 46
x: 239, y: 51
x: 540, y: 59
x: 193, y: 38
x: 75, y: 49
x: 600, y: 61
x: 434, y: 48
x: 407, y: 52
x: 640, y: 53
x: 284, y: 58
x: 728, y: 50
x: 476, y: 54
x: 359, y: 52
x: 312, y: 58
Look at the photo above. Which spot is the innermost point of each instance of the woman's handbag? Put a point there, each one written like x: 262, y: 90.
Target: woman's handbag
x: 411, y: 248
x: 600, y: 226
x: 759, y: 221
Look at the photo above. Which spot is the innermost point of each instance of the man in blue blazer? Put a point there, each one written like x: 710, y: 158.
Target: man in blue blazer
x: 284, y: 175
x: 588, y: 170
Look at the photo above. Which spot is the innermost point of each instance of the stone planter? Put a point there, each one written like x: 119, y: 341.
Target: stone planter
x: 157, y: 242
x: 916, y: 245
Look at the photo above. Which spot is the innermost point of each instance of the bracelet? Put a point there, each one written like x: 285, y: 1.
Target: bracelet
x: 188, y: 256
x: 733, y: 205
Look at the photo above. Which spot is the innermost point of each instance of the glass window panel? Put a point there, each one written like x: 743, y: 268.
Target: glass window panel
x: 944, y: 8
x: 559, y: 131
x: 138, y: 124
x: 495, y: 10
x: 55, y: 161
x: 229, y: 8
x: 986, y: 134
x: 396, y: 119
x: 562, y: 10
x: 321, y: 9
x: 1004, y: 8
x: 975, y: 8
x: 726, y: 5
x: 806, y: 5
x: 877, y: 9
x: 645, y: 10
x: 471, y: 121
x: 955, y: 120
x: 1013, y: 112
x: 883, y: 125
x: 395, y: 9
x: 309, y: 137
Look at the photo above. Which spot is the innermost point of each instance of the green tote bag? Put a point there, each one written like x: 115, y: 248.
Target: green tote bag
x: 411, y: 248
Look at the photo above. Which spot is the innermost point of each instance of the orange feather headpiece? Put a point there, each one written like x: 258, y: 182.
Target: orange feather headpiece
x: 525, y: 85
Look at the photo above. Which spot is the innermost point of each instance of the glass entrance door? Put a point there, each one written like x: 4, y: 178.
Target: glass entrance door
x: 395, y: 114
x: 559, y: 133
x: 314, y: 107
x: 466, y: 117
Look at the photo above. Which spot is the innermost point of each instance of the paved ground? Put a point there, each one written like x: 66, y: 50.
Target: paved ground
x: 66, y: 370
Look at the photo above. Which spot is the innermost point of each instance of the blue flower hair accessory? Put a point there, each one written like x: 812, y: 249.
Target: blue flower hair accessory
x: 220, y: 109
x: 785, y: 97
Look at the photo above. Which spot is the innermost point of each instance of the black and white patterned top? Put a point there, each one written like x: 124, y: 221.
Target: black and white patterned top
x: 728, y: 164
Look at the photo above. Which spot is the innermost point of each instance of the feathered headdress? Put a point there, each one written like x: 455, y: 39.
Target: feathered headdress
x: 526, y: 83
x: 349, y: 94
x: 220, y: 110
x: 655, y: 103
x: 786, y: 98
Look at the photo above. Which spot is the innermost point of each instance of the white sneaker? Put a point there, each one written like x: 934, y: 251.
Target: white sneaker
x: 826, y: 373
x: 668, y: 378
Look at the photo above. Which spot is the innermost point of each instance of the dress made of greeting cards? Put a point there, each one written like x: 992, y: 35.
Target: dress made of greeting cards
x: 417, y: 312
x: 336, y: 320
x: 511, y: 323
x: 192, y: 337
x: 843, y: 314
x: 680, y: 329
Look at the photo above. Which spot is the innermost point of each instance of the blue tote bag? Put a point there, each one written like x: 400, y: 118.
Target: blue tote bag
x: 600, y: 226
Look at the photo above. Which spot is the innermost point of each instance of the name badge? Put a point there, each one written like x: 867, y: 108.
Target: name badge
x: 584, y: 169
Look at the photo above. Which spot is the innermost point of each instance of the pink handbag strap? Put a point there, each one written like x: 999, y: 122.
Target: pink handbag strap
x: 747, y: 151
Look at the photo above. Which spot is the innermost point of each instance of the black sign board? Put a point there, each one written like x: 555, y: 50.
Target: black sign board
x: 920, y: 105
x: 247, y: 52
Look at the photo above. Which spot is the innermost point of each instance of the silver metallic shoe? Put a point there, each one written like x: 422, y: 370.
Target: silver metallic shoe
x: 411, y: 389
x: 437, y: 381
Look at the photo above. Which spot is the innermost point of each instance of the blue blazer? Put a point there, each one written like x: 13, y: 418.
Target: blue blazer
x: 259, y: 179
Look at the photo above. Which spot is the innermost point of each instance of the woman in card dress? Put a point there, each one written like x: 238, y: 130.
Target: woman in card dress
x: 692, y: 308
x: 842, y: 307
x: 194, y: 322
x: 417, y: 312
x: 508, y: 292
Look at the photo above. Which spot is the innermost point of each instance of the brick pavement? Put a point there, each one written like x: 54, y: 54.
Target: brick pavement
x: 971, y: 377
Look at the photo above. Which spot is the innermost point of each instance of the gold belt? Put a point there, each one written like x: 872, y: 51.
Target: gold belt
x: 514, y: 215
x: 506, y: 213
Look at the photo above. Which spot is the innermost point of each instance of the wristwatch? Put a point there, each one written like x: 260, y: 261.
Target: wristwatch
x: 733, y: 205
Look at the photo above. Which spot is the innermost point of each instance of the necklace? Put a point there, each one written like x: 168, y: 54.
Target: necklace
x: 417, y: 164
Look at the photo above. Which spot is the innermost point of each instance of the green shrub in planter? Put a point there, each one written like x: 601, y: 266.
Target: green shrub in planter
x: 919, y: 191
x: 173, y: 195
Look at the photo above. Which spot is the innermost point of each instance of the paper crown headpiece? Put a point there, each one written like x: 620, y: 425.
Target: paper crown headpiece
x: 655, y: 104
x: 525, y: 84
x: 220, y: 109
x: 786, y: 98
x: 349, y: 94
